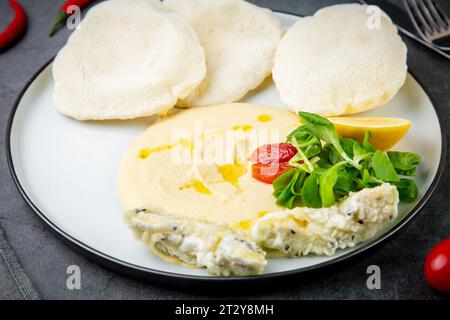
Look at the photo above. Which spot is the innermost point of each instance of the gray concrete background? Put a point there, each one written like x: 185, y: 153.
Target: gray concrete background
x: 45, y: 258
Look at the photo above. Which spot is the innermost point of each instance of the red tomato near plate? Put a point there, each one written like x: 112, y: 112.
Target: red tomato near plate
x: 437, y: 267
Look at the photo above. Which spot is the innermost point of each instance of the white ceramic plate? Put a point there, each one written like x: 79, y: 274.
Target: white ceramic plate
x: 67, y: 171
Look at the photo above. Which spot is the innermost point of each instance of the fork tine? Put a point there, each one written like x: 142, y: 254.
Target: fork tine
x: 414, y: 19
x: 420, y: 22
x: 435, y: 13
x: 422, y: 4
x: 441, y: 13
x: 418, y: 12
x: 422, y: 26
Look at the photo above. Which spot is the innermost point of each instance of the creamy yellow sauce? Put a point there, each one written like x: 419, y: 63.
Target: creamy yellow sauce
x: 264, y: 118
x: 245, y: 128
x: 146, y: 152
x: 198, y: 186
x: 232, y: 173
x: 154, y: 172
x: 246, y: 225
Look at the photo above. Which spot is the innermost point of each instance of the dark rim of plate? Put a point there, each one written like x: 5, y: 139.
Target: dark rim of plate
x: 175, y: 278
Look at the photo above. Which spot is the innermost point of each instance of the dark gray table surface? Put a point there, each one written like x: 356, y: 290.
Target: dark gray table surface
x: 45, y: 258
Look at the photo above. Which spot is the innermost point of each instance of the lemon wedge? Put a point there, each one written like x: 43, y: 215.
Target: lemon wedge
x: 386, y: 132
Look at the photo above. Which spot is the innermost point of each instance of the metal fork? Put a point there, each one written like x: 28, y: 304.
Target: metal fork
x: 430, y: 21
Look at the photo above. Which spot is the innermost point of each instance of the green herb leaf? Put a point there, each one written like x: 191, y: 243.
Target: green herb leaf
x: 359, y: 150
x: 367, y: 180
x: 305, y: 164
x: 321, y: 176
x: 327, y: 181
x: 310, y: 192
x: 296, y: 188
x: 285, y: 196
x: 308, y: 147
x: 344, y: 184
x: 309, y: 143
x: 347, y: 144
x: 283, y: 180
x: 323, y: 129
x: 405, y: 163
x: 329, y: 156
x: 407, y: 190
x: 366, y: 144
x: 383, y: 167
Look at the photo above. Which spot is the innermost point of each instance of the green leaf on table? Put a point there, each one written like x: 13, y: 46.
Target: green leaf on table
x: 383, y: 168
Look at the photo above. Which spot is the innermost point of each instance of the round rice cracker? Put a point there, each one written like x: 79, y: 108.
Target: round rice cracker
x: 240, y: 41
x: 128, y: 59
x: 339, y: 62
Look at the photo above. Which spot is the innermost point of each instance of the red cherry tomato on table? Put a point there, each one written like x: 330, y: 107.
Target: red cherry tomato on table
x: 437, y: 267
x: 274, y: 153
x: 268, y: 173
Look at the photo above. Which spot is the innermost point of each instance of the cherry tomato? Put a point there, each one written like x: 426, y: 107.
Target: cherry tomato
x: 274, y: 153
x: 437, y: 267
x: 268, y: 173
